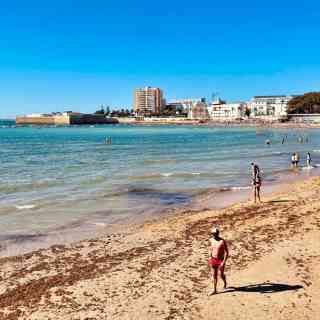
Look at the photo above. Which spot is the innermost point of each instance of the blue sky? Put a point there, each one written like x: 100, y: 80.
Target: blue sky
x: 78, y: 55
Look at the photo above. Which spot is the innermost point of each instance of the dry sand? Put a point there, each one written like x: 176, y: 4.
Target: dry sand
x: 159, y: 270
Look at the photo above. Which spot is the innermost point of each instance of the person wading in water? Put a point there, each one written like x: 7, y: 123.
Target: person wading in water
x: 218, y: 256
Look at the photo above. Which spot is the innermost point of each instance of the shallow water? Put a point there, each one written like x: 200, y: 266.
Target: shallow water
x: 55, y: 177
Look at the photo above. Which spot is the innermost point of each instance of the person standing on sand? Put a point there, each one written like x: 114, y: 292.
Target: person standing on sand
x: 256, y: 181
x: 219, y: 254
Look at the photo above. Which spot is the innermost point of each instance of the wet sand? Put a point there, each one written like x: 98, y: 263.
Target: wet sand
x: 159, y: 270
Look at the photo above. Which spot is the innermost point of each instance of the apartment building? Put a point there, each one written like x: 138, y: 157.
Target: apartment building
x: 222, y: 110
x: 148, y: 101
x: 185, y: 104
x: 269, y: 105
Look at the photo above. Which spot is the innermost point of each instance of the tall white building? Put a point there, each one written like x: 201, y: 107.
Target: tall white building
x: 269, y: 105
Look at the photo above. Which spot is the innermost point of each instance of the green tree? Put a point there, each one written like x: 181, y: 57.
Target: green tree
x: 247, y: 112
x: 100, y: 111
x: 307, y: 103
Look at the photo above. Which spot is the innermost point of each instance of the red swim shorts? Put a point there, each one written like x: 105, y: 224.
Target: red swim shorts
x: 214, y: 262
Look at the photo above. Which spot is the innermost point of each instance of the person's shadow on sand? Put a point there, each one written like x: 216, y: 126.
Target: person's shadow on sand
x: 266, y: 287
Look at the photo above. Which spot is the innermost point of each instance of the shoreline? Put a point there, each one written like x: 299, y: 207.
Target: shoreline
x: 165, y: 274
x: 84, y: 230
x: 254, y: 123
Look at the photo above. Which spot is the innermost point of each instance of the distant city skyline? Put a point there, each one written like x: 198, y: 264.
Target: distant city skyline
x: 57, y: 56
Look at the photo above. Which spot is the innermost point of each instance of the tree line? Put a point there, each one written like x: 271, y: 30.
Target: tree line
x: 106, y: 111
x: 304, y: 104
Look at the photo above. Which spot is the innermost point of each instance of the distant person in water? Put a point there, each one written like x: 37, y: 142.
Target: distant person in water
x: 297, y: 159
x: 268, y: 142
x: 256, y: 181
x: 309, y: 159
x: 219, y: 253
x: 284, y: 139
x: 293, y: 159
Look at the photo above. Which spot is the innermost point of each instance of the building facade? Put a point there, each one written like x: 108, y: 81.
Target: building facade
x: 185, y: 104
x: 221, y: 110
x: 276, y: 106
x: 148, y: 101
x: 199, y: 111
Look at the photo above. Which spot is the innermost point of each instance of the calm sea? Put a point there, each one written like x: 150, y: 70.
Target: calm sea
x: 55, y: 178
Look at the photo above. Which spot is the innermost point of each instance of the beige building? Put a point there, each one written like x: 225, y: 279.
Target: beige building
x: 66, y: 118
x: 199, y: 111
x: 148, y: 101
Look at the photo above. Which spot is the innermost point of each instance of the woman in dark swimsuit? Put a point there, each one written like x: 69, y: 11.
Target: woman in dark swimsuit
x: 256, y: 182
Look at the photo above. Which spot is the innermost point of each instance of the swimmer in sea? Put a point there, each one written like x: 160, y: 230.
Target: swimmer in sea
x: 308, y: 159
x: 219, y: 253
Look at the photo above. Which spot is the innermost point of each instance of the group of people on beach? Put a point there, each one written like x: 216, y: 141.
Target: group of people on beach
x: 218, y: 249
x: 295, y: 159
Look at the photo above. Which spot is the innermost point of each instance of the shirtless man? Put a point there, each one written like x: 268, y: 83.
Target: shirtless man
x: 218, y: 256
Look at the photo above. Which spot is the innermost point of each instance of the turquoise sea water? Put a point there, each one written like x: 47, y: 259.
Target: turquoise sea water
x: 53, y: 178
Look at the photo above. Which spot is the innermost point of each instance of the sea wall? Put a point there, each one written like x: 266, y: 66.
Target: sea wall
x: 91, y: 119
x: 308, y: 118
x: 35, y: 120
x: 64, y: 120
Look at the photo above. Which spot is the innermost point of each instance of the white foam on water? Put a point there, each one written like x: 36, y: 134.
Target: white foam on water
x: 25, y: 207
x: 195, y: 173
x: 308, y: 168
x: 168, y: 174
x: 99, y: 224
x: 240, y: 188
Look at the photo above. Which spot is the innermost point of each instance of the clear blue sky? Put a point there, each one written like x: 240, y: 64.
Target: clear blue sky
x: 57, y: 55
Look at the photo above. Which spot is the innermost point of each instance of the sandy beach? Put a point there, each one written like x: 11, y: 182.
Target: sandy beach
x: 253, y: 122
x: 159, y: 270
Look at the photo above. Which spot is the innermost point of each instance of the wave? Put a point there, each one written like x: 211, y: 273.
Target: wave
x: 306, y: 168
x: 99, y: 224
x: 168, y: 174
x: 241, y: 188
x: 25, y: 207
x: 272, y: 154
x: 31, y: 186
x: 154, y: 176
x: 214, y: 190
x: 160, y: 161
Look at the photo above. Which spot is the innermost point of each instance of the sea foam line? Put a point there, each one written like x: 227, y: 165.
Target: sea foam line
x: 25, y: 207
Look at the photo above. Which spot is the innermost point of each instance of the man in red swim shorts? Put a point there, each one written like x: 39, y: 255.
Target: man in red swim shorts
x: 218, y: 256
